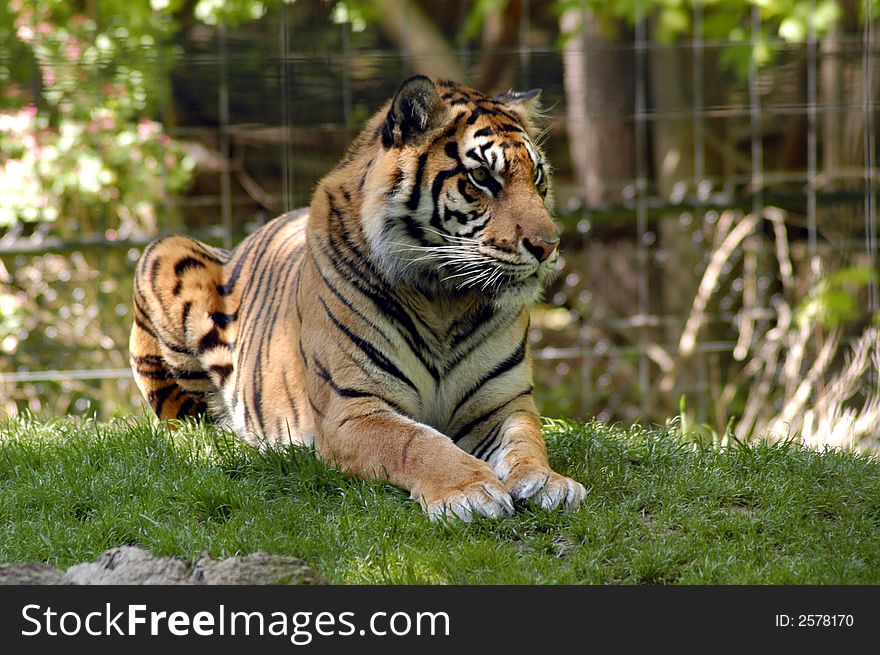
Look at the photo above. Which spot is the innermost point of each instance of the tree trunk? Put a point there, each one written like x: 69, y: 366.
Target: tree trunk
x: 673, y: 151
x: 599, y: 92
x: 407, y: 24
x: 501, y: 36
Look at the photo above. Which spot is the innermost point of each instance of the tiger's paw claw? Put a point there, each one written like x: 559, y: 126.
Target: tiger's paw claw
x: 545, y: 488
x: 482, y: 498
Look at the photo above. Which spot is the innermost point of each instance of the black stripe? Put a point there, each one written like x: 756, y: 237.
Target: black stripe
x: 463, y: 328
x: 404, y: 453
x: 349, y: 305
x: 489, y: 324
x: 448, y: 133
x: 186, y: 263
x: 463, y: 190
x: 487, y: 415
x: 158, y: 397
x: 392, y: 310
x: 461, y: 217
x: 367, y: 348
x: 436, y: 189
x: 476, y: 227
x: 480, y: 449
x: 302, y: 353
x: 291, y: 400
x: 252, y: 293
x: 451, y: 149
x: 182, y: 374
x: 254, y: 245
x: 358, y: 257
x: 476, y: 113
x: 149, y: 329
x: 257, y: 388
x: 146, y: 328
x: 216, y: 255
x: 356, y: 417
x: 347, y: 260
x: 211, y: 340
x: 395, y: 186
x: 315, y: 407
x: 363, y: 181
x: 381, y: 298
x: 222, y: 320
x: 185, y: 407
x: 152, y: 360
x: 488, y: 455
x: 413, y: 229
x: 154, y: 271
x: 222, y: 371
x: 416, y: 194
x: 512, y: 360
x: 347, y: 392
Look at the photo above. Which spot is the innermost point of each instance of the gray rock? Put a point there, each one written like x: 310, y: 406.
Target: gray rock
x: 30, y: 573
x: 255, y: 569
x: 130, y: 565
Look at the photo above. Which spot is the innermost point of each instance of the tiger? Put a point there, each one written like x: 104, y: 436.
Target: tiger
x: 386, y: 326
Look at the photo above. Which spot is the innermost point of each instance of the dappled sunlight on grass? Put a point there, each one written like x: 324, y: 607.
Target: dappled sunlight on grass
x: 658, y: 510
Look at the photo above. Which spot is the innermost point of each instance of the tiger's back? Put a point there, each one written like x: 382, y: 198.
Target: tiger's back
x: 387, y: 324
x: 200, y: 318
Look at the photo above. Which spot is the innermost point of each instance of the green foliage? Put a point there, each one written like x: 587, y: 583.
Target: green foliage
x: 80, y: 87
x: 835, y: 298
x: 356, y: 13
x: 88, y: 167
x: 789, y: 21
x: 477, y: 15
x: 658, y: 510
x: 85, y: 146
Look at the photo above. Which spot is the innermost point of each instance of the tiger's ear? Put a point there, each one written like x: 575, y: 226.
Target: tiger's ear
x: 416, y: 110
x: 525, y: 102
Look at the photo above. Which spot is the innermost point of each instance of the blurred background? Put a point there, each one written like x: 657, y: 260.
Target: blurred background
x: 716, y: 176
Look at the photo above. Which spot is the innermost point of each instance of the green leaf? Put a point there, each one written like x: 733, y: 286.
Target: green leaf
x: 793, y: 29
x: 834, y: 299
x: 672, y: 22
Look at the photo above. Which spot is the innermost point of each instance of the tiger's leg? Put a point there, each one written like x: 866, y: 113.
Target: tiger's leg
x: 175, y: 294
x: 371, y: 440
x: 521, y: 462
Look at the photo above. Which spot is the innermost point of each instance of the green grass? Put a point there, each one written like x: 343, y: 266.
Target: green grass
x: 658, y: 510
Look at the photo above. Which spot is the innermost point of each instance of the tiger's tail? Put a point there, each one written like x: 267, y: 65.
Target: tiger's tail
x: 180, y: 327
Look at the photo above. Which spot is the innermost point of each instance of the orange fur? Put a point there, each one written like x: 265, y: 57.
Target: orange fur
x: 387, y: 324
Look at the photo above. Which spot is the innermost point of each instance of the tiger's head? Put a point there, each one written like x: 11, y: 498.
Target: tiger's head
x: 456, y: 195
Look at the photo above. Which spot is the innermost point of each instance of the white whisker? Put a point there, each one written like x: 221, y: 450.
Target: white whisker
x: 451, y: 237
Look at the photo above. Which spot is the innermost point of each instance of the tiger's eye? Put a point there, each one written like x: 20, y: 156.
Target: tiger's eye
x: 479, y: 175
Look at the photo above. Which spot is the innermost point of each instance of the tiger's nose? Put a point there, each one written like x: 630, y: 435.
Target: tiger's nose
x: 541, y: 247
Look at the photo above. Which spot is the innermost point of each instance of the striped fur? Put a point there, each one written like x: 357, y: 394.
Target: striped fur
x: 387, y: 324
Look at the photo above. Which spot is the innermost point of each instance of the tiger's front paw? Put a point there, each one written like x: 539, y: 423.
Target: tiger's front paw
x: 481, y: 498
x: 544, y: 487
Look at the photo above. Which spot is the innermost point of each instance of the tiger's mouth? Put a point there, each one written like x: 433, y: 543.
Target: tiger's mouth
x: 501, y: 279
x: 463, y: 266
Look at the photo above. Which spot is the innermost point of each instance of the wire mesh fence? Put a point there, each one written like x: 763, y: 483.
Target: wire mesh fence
x: 664, y: 145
